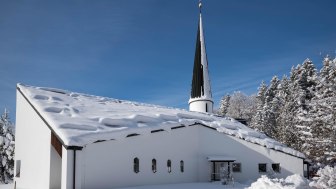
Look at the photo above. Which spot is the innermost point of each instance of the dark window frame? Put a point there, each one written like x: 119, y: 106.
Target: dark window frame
x: 236, y: 167
x: 262, y: 169
x: 182, y: 166
x: 169, y: 166
x: 18, y: 168
x: 136, y: 165
x: 276, y: 167
x: 154, y: 167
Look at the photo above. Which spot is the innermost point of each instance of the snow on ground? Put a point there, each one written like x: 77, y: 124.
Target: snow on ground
x: 327, y: 180
x: 80, y: 119
x: 291, y: 182
x: 198, y: 185
x: 6, y: 186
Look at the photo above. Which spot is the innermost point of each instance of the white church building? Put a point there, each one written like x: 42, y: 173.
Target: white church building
x: 70, y: 140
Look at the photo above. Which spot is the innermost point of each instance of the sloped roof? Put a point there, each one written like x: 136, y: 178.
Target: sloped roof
x: 80, y: 119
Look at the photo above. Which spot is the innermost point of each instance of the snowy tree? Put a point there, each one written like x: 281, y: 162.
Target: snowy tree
x: 271, y: 108
x: 237, y: 105
x: 258, y: 119
x: 323, y: 115
x: 299, y: 111
x: 287, y: 132
x: 303, y: 81
x: 241, y: 106
x: 326, y: 178
x: 6, y: 149
x: 224, y: 105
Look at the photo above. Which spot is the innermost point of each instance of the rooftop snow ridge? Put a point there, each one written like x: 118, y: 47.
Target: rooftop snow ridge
x: 81, y: 119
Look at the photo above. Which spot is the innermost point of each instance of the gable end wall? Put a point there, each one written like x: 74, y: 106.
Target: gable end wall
x: 32, y: 147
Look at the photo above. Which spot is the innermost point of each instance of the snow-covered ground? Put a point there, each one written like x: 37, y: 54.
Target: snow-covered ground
x: 260, y: 184
x: 199, y: 185
x: 291, y: 182
x: 6, y: 186
x: 327, y: 180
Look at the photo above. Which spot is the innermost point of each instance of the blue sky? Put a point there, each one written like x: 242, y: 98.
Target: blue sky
x: 143, y: 50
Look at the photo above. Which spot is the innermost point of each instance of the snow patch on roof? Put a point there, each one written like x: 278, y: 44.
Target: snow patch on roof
x: 80, y: 119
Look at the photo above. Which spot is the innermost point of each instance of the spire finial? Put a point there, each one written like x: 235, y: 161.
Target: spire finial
x: 200, y: 5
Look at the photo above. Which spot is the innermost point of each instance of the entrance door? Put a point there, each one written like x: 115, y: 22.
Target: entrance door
x: 219, y: 168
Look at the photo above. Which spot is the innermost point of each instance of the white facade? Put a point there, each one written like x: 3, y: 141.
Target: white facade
x: 39, y: 163
x: 109, y: 164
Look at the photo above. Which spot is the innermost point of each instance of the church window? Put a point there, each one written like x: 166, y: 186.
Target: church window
x: 136, y: 166
x: 169, y: 166
x: 236, y: 167
x: 262, y: 167
x: 18, y: 168
x: 154, y: 165
x: 276, y: 167
x: 206, y: 107
x: 182, y: 166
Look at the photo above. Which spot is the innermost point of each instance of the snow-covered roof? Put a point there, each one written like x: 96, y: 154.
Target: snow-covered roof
x: 80, y: 119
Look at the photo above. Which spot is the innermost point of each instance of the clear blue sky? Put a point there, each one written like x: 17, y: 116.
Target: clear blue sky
x: 143, y: 50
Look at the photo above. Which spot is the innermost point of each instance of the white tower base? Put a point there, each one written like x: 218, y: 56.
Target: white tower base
x: 201, y: 105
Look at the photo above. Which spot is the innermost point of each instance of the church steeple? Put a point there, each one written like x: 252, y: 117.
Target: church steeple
x: 201, y: 97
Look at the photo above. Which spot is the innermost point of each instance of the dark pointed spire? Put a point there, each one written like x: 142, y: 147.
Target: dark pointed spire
x: 197, y: 88
x: 200, y: 89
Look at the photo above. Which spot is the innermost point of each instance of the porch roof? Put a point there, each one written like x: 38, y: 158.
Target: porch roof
x: 221, y: 158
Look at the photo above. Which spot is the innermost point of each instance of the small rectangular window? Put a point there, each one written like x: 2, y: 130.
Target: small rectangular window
x: 182, y: 166
x: 154, y: 165
x: 236, y: 167
x: 169, y: 166
x: 262, y: 167
x: 276, y: 167
x: 136, y: 165
x: 18, y: 168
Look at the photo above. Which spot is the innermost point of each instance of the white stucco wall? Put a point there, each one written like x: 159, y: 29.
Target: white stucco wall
x: 32, y: 147
x: 246, y: 153
x: 110, y: 163
x: 56, y: 169
x: 68, y: 170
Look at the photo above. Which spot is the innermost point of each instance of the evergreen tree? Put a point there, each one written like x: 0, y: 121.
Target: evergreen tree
x: 224, y: 105
x: 323, y: 115
x: 271, y: 108
x: 6, y: 149
x: 286, y: 133
x: 299, y: 111
x: 258, y: 119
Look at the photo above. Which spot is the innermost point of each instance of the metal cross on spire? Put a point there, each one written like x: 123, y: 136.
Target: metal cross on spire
x: 200, y: 5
